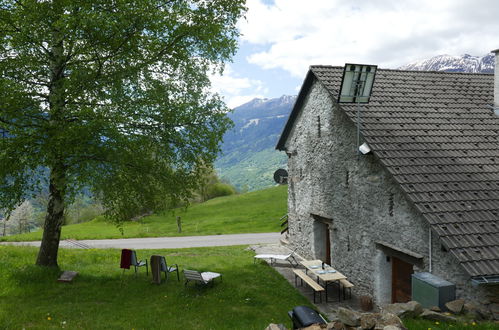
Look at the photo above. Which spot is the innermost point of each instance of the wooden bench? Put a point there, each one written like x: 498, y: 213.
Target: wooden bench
x: 346, y: 285
x: 313, y: 284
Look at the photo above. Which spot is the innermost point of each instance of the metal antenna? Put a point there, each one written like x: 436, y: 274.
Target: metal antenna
x: 359, y: 87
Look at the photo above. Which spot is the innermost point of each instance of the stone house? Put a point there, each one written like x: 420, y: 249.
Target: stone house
x: 426, y: 198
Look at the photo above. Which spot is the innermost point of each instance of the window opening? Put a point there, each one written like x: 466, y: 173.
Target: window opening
x: 319, y: 126
x: 390, y: 205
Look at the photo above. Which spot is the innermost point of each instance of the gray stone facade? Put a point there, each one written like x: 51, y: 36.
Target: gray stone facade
x: 368, y: 216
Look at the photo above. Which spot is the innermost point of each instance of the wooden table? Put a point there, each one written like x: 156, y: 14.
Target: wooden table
x: 327, y: 275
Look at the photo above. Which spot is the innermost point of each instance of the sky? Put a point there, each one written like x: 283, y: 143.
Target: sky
x: 280, y: 39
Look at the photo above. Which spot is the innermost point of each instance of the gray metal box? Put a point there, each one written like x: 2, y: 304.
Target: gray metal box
x: 430, y: 290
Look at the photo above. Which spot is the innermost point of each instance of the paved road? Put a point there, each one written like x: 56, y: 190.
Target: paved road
x: 166, y: 242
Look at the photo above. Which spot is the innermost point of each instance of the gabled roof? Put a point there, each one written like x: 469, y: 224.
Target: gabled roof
x: 436, y: 133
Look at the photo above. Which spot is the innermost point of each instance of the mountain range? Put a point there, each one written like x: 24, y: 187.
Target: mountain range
x: 449, y: 63
x: 249, y: 158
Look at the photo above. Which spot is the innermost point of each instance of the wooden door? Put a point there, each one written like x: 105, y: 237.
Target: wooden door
x: 401, y: 280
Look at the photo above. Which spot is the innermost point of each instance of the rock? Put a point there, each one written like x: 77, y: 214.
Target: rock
x: 402, y: 310
x: 368, y: 320
x: 336, y: 325
x: 455, y: 306
x: 435, y: 309
x: 493, y: 295
x: 485, y: 313
x: 366, y: 303
x: 373, y: 178
x: 387, y: 319
x: 434, y: 316
x: 494, y: 308
x: 414, y: 309
x: 471, y: 309
x: 391, y: 327
x: 477, y: 311
x: 349, y: 317
x: 273, y: 326
x: 485, y: 301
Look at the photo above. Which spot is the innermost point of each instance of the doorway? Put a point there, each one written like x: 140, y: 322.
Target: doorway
x: 401, y: 280
x: 322, y: 238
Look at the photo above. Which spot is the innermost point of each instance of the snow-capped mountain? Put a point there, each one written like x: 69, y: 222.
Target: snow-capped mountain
x: 450, y: 63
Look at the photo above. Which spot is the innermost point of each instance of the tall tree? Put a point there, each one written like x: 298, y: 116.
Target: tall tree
x: 112, y: 95
x: 22, y: 218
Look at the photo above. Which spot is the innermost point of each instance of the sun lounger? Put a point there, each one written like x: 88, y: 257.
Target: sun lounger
x: 274, y: 257
x: 203, y: 278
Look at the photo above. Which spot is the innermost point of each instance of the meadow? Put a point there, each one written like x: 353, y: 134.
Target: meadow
x: 253, y: 212
x: 250, y: 295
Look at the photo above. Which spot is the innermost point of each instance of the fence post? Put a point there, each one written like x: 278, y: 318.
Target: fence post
x: 179, y: 224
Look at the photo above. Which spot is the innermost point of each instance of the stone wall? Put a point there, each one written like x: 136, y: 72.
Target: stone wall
x: 365, y: 206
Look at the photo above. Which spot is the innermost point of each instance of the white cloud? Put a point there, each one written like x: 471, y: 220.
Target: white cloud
x: 389, y: 33
x: 237, y: 90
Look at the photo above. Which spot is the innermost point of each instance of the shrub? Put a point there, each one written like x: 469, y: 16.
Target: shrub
x: 219, y: 189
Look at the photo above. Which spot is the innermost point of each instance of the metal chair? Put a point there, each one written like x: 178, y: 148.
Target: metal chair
x: 168, y: 269
x: 129, y: 258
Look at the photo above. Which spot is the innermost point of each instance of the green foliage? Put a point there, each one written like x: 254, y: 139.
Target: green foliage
x: 113, y: 96
x: 212, y: 187
x: 82, y: 210
x: 250, y: 296
x: 254, y: 212
x: 219, y: 189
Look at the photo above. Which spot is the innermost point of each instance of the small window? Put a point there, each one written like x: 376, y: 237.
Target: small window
x: 319, y: 126
x: 390, y: 204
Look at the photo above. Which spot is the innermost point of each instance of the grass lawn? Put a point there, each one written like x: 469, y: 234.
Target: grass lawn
x: 254, y: 212
x: 250, y: 296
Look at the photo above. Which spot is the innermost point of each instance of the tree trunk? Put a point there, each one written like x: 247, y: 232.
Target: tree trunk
x: 47, y: 256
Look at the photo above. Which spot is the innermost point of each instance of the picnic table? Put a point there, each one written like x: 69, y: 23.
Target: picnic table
x: 328, y: 275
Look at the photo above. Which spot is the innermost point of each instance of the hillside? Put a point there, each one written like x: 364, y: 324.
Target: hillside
x: 253, y: 212
x: 249, y: 158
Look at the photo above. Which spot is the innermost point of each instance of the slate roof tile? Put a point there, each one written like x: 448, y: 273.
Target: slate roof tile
x: 436, y: 133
